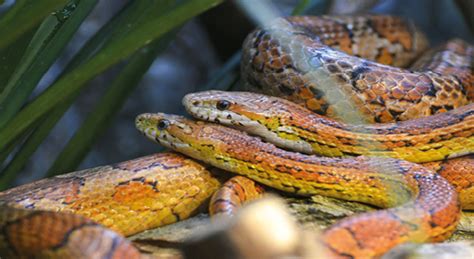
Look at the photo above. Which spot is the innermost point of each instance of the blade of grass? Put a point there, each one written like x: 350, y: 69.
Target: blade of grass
x: 134, y: 12
x: 109, y: 105
x: 23, y: 16
x: 40, y: 40
x: 10, y: 57
x: 6, y: 152
x: 48, y: 42
x: 300, y: 7
x: 128, y: 11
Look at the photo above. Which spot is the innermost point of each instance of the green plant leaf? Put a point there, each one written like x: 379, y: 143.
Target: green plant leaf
x: 45, y: 47
x: 133, y: 13
x: 300, y: 7
x: 23, y: 16
x: 10, y: 57
x: 74, y: 81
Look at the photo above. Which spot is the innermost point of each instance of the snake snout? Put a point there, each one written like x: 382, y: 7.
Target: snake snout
x: 189, y: 100
x: 139, y: 121
x: 142, y: 121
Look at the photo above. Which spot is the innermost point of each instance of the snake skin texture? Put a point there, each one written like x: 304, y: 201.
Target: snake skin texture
x: 233, y: 194
x: 290, y: 58
x: 127, y: 198
x: 460, y: 173
x: 46, y: 234
x: 428, y: 207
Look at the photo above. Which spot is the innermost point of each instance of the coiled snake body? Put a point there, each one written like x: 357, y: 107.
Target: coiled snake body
x: 290, y: 58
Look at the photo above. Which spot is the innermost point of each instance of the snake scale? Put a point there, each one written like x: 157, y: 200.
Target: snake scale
x: 290, y: 58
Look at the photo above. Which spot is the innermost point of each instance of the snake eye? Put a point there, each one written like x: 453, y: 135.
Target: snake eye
x: 163, y: 124
x: 223, y: 105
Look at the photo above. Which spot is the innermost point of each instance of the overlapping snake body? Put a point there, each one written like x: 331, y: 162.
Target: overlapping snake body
x: 290, y: 58
x: 291, y: 126
x: 430, y: 209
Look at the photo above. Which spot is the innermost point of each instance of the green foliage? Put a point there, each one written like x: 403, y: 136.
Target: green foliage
x: 38, y: 31
x: 24, y: 16
x: 47, y: 43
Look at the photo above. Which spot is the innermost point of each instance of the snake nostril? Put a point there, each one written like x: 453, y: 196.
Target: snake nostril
x: 195, y: 103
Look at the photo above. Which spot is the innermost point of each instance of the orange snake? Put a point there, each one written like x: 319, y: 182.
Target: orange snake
x: 430, y: 209
x: 430, y: 214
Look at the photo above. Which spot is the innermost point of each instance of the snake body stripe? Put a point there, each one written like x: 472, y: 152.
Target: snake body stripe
x: 460, y: 173
x: 430, y: 209
x: 233, y: 194
x: 289, y: 125
x: 127, y: 197
x: 292, y: 60
x: 46, y: 234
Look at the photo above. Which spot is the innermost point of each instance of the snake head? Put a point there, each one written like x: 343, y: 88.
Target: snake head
x: 194, y: 138
x: 268, y: 117
x: 242, y: 110
x: 182, y: 134
x: 166, y: 129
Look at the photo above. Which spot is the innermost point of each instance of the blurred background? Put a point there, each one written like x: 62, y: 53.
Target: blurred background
x: 204, y: 54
